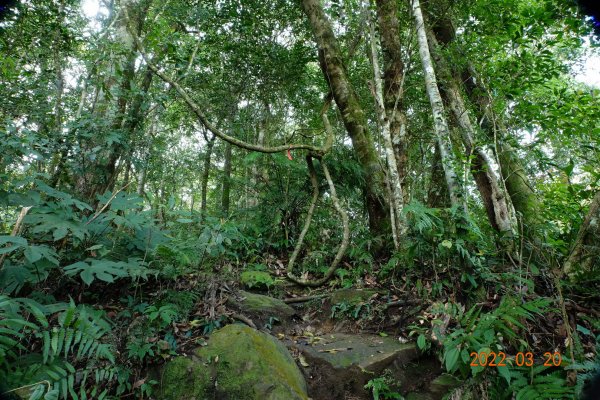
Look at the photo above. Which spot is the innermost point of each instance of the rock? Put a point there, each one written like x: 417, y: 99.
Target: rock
x: 351, y: 296
x: 343, y: 363
x: 437, y: 388
x: 443, y: 384
x: 239, y: 363
x: 261, y: 309
x: 369, y: 352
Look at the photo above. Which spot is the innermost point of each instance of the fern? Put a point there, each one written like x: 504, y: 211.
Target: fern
x: 423, y: 218
x: 74, y: 338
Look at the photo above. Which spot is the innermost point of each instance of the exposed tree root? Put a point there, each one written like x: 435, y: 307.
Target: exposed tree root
x: 345, y: 226
x: 303, y: 299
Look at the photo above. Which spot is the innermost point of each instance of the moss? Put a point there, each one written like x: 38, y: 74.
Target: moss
x: 444, y: 383
x: 257, y: 303
x: 182, y: 378
x: 351, y: 296
x: 246, y: 365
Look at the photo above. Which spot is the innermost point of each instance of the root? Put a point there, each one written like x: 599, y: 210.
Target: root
x: 345, y: 226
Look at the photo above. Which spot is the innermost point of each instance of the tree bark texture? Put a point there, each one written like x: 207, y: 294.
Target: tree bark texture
x: 225, y: 194
x: 399, y: 227
x: 585, y: 252
x: 442, y: 131
x: 492, y: 195
x: 515, y: 179
x: 353, y: 116
x: 206, y: 175
x: 437, y: 193
x: 393, y: 77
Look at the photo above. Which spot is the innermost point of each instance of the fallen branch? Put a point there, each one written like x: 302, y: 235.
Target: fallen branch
x: 244, y: 319
x: 410, y: 302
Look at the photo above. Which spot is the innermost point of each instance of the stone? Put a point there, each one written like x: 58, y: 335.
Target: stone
x: 443, y: 384
x: 239, y: 363
x: 351, y: 296
x: 262, y: 309
x: 368, y: 352
x: 341, y: 364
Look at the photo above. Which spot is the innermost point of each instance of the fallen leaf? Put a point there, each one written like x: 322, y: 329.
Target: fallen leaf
x: 302, y: 361
x: 139, y: 383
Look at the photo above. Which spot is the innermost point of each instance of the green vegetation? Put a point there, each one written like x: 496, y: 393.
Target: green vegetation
x: 417, y: 172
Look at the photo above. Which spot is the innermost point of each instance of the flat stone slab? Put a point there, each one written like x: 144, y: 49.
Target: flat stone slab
x: 368, y: 352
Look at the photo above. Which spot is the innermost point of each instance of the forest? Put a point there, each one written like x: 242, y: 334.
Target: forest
x: 299, y: 199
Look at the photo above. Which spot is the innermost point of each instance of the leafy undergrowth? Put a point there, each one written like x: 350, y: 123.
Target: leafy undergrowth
x: 92, y: 301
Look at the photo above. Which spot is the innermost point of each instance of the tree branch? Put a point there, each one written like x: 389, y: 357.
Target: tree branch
x: 196, y: 109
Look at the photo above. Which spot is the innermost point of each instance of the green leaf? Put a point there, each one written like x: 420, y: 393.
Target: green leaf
x: 17, y: 240
x: 583, y: 330
x: 504, y: 372
x: 421, y: 341
x: 451, y: 358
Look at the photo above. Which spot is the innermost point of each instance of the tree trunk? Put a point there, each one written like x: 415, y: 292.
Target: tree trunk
x: 257, y: 172
x: 205, y: 176
x: 58, y: 160
x: 353, y: 116
x: 492, y: 195
x: 399, y: 227
x: 393, y: 79
x: 585, y: 252
x: 437, y: 194
x: 515, y: 179
x: 457, y: 198
x: 226, y: 181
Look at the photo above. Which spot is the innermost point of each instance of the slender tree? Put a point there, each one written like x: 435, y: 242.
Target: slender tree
x: 442, y: 131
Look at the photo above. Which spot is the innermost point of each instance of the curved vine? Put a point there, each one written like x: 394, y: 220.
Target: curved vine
x: 345, y: 228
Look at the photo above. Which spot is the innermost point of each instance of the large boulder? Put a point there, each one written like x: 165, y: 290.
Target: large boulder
x: 339, y: 365
x: 239, y: 363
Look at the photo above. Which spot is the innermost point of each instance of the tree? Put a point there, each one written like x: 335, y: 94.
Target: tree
x: 353, y: 116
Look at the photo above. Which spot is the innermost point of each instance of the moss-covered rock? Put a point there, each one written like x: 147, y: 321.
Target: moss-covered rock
x: 262, y: 308
x: 351, y: 296
x: 239, y: 363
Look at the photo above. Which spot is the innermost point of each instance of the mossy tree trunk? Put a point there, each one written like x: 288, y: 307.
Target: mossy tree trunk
x: 225, y: 194
x: 353, y: 116
x: 206, y: 174
x: 585, y: 252
x: 384, y: 118
x: 393, y: 80
x: 515, y: 178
